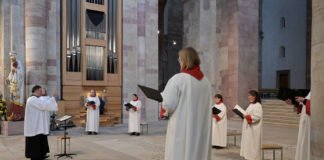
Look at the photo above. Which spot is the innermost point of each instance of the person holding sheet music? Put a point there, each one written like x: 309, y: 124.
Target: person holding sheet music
x: 187, y: 101
x: 36, y: 124
x: 219, y: 137
x: 252, y: 128
x: 134, y: 119
x: 92, y: 106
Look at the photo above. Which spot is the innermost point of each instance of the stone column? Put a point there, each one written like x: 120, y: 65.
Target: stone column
x: 53, y: 49
x: 12, y: 38
x: 36, y: 13
x: 317, y: 81
x: 17, y: 29
x: 225, y: 33
x: 4, y: 46
x: 140, y: 52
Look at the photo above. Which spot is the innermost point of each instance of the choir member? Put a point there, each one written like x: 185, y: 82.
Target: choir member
x: 36, y: 124
x: 252, y: 128
x: 134, y: 119
x: 303, y: 142
x: 219, y: 137
x: 92, y: 106
x: 187, y: 100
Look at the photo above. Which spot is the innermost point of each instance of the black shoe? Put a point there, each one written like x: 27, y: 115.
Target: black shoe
x: 132, y: 134
x: 46, y: 156
x: 95, y: 133
x: 137, y: 134
x: 218, y: 147
x: 89, y: 133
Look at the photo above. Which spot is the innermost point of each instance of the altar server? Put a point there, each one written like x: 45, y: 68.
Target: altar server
x: 134, y: 119
x: 303, y: 142
x: 36, y: 124
x: 219, y: 138
x: 187, y: 100
x: 92, y: 106
x: 252, y: 128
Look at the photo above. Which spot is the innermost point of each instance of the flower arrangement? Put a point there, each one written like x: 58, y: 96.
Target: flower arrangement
x: 3, y: 109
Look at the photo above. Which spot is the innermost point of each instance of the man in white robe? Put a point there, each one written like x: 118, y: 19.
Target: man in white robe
x: 252, y: 129
x: 92, y: 106
x: 303, y: 142
x: 134, y: 119
x: 219, y: 138
x: 187, y: 100
x: 36, y: 124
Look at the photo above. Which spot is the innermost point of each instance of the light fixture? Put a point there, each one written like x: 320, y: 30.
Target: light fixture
x: 174, y: 43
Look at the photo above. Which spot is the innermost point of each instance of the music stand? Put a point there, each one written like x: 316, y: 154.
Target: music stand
x: 152, y: 94
x: 65, y: 126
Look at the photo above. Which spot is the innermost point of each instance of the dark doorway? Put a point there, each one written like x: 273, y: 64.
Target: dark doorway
x: 283, y: 79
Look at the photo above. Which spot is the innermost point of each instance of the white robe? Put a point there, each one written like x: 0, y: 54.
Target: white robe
x: 37, y: 115
x: 17, y: 81
x: 187, y: 102
x: 93, y: 119
x: 219, y: 137
x: 303, y: 142
x: 252, y: 133
x: 134, y: 119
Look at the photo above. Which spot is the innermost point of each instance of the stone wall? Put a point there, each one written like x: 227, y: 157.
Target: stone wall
x: 12, y: 37
x: 225, y: 33
x: 140, y: 53
x: 32, y: 29
x: 317, y: 81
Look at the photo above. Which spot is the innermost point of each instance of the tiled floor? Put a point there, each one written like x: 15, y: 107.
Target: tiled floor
x: 115, y: 144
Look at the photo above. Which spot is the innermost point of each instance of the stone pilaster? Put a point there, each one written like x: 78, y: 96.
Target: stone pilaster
x: 12, y: 37
x: 225, y: 32
x: 200, y: 33
x: 317, y: 81
x: 4, y: 46
x: 53, y: 46
x: 36, y: 14
x: 140, y: 52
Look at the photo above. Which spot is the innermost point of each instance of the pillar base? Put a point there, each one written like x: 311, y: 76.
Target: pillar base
x: 11, y: 128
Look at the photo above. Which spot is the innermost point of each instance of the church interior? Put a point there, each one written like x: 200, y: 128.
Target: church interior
x: 71, y: 47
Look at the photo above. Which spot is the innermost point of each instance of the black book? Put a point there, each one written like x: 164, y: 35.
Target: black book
x: 239, y: 111
x: 216, y: 110
x: 291, y: 94
x: 128, y: 106
x: 151, y: 93
x: 91, y: 103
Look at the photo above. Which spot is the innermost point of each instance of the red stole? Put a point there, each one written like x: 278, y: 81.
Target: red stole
x: 195, y: 72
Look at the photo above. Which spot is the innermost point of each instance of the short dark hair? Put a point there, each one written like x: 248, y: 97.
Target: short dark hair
x: 35, y: 88
x: 255, y: 94
x: 219, y: 96
x: 135, y: 95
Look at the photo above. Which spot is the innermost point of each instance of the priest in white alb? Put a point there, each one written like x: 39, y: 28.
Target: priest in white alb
x: 134, y: 119
x: 92, y: 105
x: 36, y: 124
x: 186, y: 100
x: 219, y: 138
x: 252, y: 128
x: 303, y: 142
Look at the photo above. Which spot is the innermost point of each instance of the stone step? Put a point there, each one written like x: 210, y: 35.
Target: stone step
x: 273, y: 101
x: 281, y: 120
x: 280, y: 117
x: 282, y: 124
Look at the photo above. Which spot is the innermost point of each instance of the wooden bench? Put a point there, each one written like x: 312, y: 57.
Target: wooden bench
x: 233, y: 134
x: 272, y: 147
